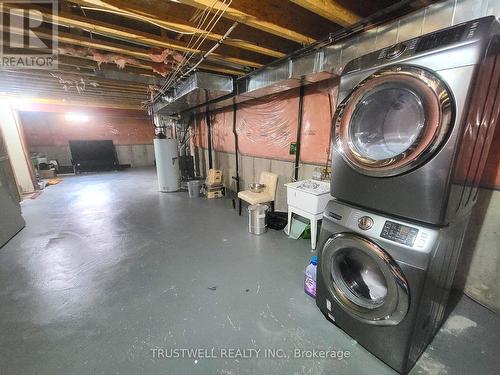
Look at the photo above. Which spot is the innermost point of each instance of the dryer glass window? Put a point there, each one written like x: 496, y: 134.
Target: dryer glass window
x: 359, y: 278
x: 393, y: 121
x: 386, y: 122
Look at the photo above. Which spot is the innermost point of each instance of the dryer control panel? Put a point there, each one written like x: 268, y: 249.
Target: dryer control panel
x: 455, y: 35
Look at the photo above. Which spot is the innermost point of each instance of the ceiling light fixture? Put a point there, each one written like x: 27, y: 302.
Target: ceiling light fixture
x: 76, y: 117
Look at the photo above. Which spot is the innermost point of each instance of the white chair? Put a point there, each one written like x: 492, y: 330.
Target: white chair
x: 267, y: 196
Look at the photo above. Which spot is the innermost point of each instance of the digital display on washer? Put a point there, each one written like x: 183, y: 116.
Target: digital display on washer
x: 441, y: 38
x: 399, y: 233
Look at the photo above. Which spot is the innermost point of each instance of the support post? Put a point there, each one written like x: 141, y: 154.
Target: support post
x: 299, y: 132
x: 236, y: 155
x: 207, y: 117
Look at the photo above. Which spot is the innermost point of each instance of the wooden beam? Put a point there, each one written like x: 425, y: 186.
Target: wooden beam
x: 329, y: 9
x: 120, y: 104
x: 42, y: 87
x: 85, y: 63
x: 54, y: 83
x: 43, y: 77
x: 139, y: 37
x: 159, y: 14
x: 36, y: 82
x: 82, y: 62
x: 134, y: 52
x: 70, y: 95
x: 257, y: 14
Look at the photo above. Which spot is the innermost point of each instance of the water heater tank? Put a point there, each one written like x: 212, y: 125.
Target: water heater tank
x: 167, y: 164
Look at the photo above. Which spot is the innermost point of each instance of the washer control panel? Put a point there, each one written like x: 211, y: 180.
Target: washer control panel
x: 399, y: 233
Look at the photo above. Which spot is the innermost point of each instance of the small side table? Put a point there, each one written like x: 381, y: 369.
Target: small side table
x: 308, y: 198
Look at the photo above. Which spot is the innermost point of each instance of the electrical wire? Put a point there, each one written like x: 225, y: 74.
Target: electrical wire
x: 202, y: 17
x: 211, y: 24
x: 178, y: 73
x: 221, y: 40
x: 199, y: 41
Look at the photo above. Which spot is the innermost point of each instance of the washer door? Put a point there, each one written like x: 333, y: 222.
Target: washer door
x: 393, y: 121
x: 364, y: 280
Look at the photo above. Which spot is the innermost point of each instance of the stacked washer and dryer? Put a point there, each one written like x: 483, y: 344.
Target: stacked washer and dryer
x: 412, y: 132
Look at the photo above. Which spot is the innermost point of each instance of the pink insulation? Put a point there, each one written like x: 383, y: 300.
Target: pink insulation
x: 162, y: 69
x: 158, y: 55
x: 166, y: 60
x: 267, y: 126
x: 222, y: 131
x: 100, y: 57
x: 319, y: 106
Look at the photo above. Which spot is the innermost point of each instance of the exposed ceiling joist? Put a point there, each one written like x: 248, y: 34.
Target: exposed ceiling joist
x: 161, y: 16
x: 54, y: 86
x: 44, y: 92
x: 51, y: 81
x: 141, y: 54
x: 331, y: 10
x: 260, y: 17
x: 70, y: 63
x: 128, y: 77
x: 35, y: 85
x: 131, y: 35
x: 114, y: 104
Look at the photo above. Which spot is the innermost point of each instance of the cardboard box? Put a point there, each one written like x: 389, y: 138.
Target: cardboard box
x: 47, y: 173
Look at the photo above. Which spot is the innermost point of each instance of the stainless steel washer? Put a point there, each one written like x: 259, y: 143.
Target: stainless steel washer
x: 386, y: 284
x: 414, y: 123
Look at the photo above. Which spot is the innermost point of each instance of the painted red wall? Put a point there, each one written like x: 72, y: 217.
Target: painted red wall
x: 123, y: 127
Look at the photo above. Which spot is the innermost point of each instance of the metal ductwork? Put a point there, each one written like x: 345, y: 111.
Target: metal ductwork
x: 201, y: 88
x: 198, y: 89
x: 291, y: 73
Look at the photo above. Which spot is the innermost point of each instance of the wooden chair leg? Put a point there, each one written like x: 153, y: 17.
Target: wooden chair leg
x: 239, y: 207
x: 234, y: 204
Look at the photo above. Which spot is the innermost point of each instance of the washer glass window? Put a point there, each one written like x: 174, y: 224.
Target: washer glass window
x: 359, y: 277
x: 364, y: 279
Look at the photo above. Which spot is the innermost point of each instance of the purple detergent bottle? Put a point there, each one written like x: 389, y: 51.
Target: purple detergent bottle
x: 310, y: 278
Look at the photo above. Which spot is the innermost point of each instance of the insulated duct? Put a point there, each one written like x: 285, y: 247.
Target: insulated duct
x: 198, y: 89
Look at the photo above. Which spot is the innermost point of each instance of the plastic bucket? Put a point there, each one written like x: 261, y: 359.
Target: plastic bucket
x: 194, y: 188
x: 257, y: 218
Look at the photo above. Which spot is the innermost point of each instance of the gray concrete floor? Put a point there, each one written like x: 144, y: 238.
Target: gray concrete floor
x: 108, y: 269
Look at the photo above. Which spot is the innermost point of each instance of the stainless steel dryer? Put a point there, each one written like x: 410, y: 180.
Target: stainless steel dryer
x: 415, y: 121
x: 384, y: 281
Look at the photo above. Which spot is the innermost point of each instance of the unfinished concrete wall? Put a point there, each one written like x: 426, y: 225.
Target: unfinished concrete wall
x: 131, y: 132
x: 478, y: 273
x: 250, y: 168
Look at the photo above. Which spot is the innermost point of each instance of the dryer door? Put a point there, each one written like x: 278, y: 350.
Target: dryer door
x: 393, y: 121
x: 364, y: 280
